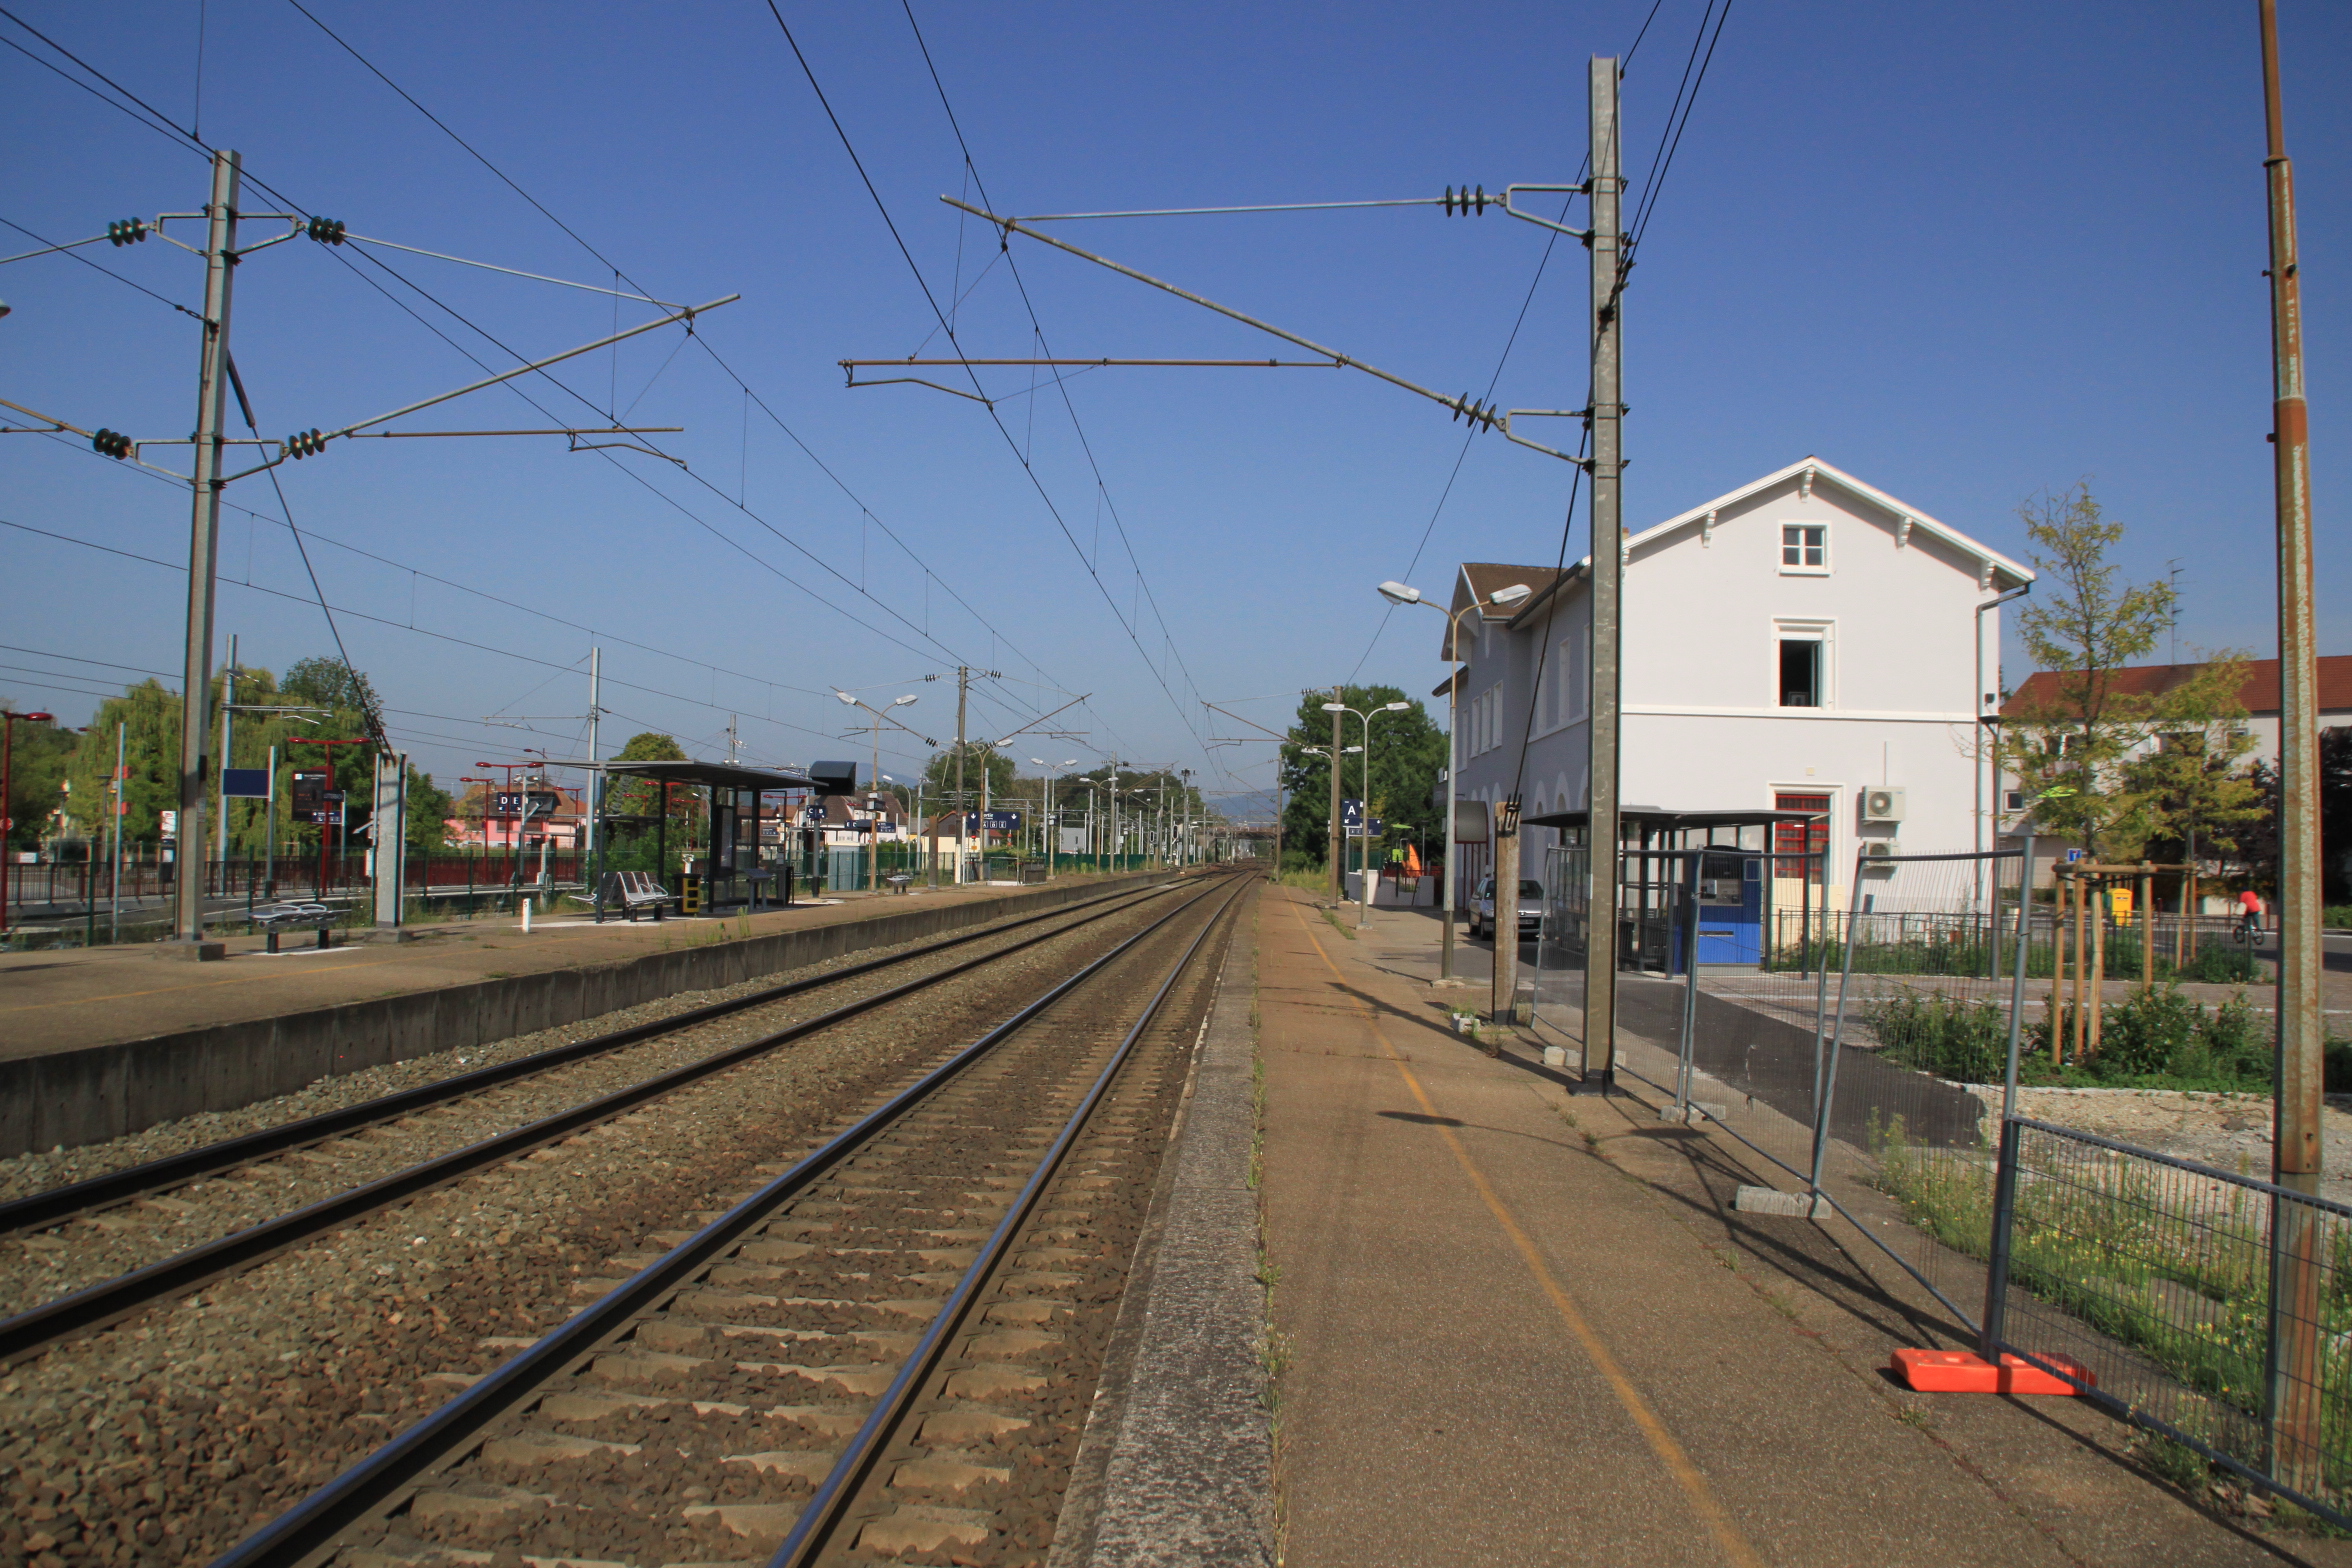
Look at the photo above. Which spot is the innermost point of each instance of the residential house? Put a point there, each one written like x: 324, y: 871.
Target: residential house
x: 2258, y: 694
x: 1787, y: 646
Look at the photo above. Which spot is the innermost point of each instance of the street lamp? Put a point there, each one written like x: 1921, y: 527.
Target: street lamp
x: 1053, y: 823
x: 1501, y: 598
x: 8, y: 794
x: 1364, y: 806
x: 874, y: 826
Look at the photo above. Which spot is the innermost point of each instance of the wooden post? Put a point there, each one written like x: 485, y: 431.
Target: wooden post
x: 2081, y: 938
x: 2058, y: 971
x: 2094, y: 1026
x: 2147, y: 926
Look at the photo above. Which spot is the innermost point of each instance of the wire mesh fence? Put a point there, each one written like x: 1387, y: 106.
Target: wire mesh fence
x: 2211, y: 1307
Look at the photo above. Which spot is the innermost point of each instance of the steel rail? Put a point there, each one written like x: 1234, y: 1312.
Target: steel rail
x: 810, y: 1533
x: 33, y: 1332
x: 42, y: 1209
x: 306, y: 1533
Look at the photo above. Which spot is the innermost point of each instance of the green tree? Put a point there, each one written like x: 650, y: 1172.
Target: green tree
x: 642, y: 797
x: 37, y: 767
x: 1408, y: 753
x: 2088, y: 731
x: 939, y: 776
x: 2195, y: 789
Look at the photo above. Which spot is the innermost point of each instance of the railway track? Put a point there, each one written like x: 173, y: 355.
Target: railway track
x: 887, y: 1350
x: 316, y: 1141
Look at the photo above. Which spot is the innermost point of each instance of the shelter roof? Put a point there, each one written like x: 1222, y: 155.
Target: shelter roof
x: 721, y: 775
x: 1658, y: 818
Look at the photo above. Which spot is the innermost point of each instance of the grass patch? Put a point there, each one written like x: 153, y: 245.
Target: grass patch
x: 2183, y: 1278
x: 1343, y: 930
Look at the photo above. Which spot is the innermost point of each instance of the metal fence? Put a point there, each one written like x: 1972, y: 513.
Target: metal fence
x: 2212, y: 1308
x: 1865, y: 1060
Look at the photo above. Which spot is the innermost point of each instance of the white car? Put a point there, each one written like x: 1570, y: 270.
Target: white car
x: 1531, y: 897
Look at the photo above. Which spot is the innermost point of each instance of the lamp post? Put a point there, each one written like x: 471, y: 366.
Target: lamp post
x: 874, y: 824
x: 1502, y: 599
x: 1053, y: 823
x: 7, y: 794
x: 1364, y: 804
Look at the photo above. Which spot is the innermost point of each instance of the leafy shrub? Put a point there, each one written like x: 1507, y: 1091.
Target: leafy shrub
x: 2217, y: 964
x: 1948, y: 1036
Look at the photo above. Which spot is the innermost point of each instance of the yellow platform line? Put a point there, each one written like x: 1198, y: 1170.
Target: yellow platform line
x: 1701, y: 1497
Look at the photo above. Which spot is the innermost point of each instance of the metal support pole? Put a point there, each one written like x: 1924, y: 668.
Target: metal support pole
x: 963, y: 806
x: 114, y: 882
x: 1827, y: 1100
x: 1692, y: 865
x: 1600, y: 947
x: 2295, y: 1370
x: 1503, y: 1002
x: 269, y: 832
x: 592, y: 852
x: 228, y: 757
x: 1337, y: 852
x: 212, y: 388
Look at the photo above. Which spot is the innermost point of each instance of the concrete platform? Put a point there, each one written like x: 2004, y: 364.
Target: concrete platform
x: 1515, y: 1326
x: 98, y: 1042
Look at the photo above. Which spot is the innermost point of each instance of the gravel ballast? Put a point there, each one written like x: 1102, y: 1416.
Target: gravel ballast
x: 170, y: 1436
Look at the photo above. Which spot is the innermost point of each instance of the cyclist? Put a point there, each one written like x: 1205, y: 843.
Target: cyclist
x: 2249, y: 915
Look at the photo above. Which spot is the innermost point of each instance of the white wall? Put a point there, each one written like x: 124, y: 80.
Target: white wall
x: 1705, y: 608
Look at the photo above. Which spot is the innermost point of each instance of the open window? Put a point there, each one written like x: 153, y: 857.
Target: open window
x: 1802, y: 672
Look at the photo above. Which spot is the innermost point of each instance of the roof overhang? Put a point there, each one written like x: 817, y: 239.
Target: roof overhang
x: 1991, y: 561
x: 718, y: 775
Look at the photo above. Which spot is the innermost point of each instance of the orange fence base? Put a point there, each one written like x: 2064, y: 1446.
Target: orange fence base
x: 1958, y: 1372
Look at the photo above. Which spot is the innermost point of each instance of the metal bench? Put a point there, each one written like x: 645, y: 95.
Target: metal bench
x: 900, y: 881
x: 628, y: 892
x: 276, y: 919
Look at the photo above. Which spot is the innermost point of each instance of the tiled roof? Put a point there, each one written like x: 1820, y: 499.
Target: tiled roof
x: 2258, y: 694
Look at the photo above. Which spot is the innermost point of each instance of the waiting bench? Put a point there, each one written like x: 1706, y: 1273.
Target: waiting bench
x: 276, y: 919
x: 628, y: 892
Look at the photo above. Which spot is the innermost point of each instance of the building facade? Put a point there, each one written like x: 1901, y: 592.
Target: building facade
x: 1787, y: 646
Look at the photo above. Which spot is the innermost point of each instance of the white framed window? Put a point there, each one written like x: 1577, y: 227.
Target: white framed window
x: 1804, y: 549
x: 1801, y: 664
x: 1574, y: 659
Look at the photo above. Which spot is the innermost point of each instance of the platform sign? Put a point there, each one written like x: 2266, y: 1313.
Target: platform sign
x: 329, y: 811
x: 1003, y: 821
x: 310, y: 793
x: 1351, y: 817
x: 245, y: 783
x: 512, y: 802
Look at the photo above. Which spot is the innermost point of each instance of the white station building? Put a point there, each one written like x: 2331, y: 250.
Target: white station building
x: 1806, y: 642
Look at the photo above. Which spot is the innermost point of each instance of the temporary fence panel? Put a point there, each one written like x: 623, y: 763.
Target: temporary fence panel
x: 1917, y: 1040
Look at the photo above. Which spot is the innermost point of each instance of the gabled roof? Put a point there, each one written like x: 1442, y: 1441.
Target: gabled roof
x: 2257, y: 694
x: 1820, y: 470
x: 1477, y: 581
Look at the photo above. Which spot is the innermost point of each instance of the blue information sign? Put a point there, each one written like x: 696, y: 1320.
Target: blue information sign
x: 1351, y: 817
x: 245, y: 783
x: 1003, y: 821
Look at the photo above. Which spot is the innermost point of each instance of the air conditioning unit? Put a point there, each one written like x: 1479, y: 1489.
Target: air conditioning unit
x: 1882, y: 803
x: 1881, y: 849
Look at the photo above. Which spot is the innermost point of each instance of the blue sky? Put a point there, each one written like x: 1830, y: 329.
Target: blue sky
x: 1968, y: 253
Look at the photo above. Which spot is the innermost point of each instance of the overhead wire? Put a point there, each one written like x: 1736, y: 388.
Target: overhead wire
x: 932, y: 300
x: 1060, y: 383
x: 148, y: 115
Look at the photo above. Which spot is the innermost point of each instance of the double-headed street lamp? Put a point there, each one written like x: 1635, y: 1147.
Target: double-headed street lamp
x: 881, y: 717
x: 8, y: 792
x: 1501, y: 599
x: 1053, y: 823
x: 1364, y: 806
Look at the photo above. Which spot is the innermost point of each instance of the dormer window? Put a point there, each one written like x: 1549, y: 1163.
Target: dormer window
x: 1804, y: 549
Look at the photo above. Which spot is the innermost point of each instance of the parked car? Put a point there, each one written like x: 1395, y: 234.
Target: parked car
x: 1531, y: 897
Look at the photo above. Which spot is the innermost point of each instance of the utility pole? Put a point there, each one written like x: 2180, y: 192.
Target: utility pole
x: 2295, y: 1370
x: 1338, y: 851
x: 1608, y: 410
x: 227, y: 754
x: 212, y: 389
x: 595, y: 771
x: 963, y: 809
